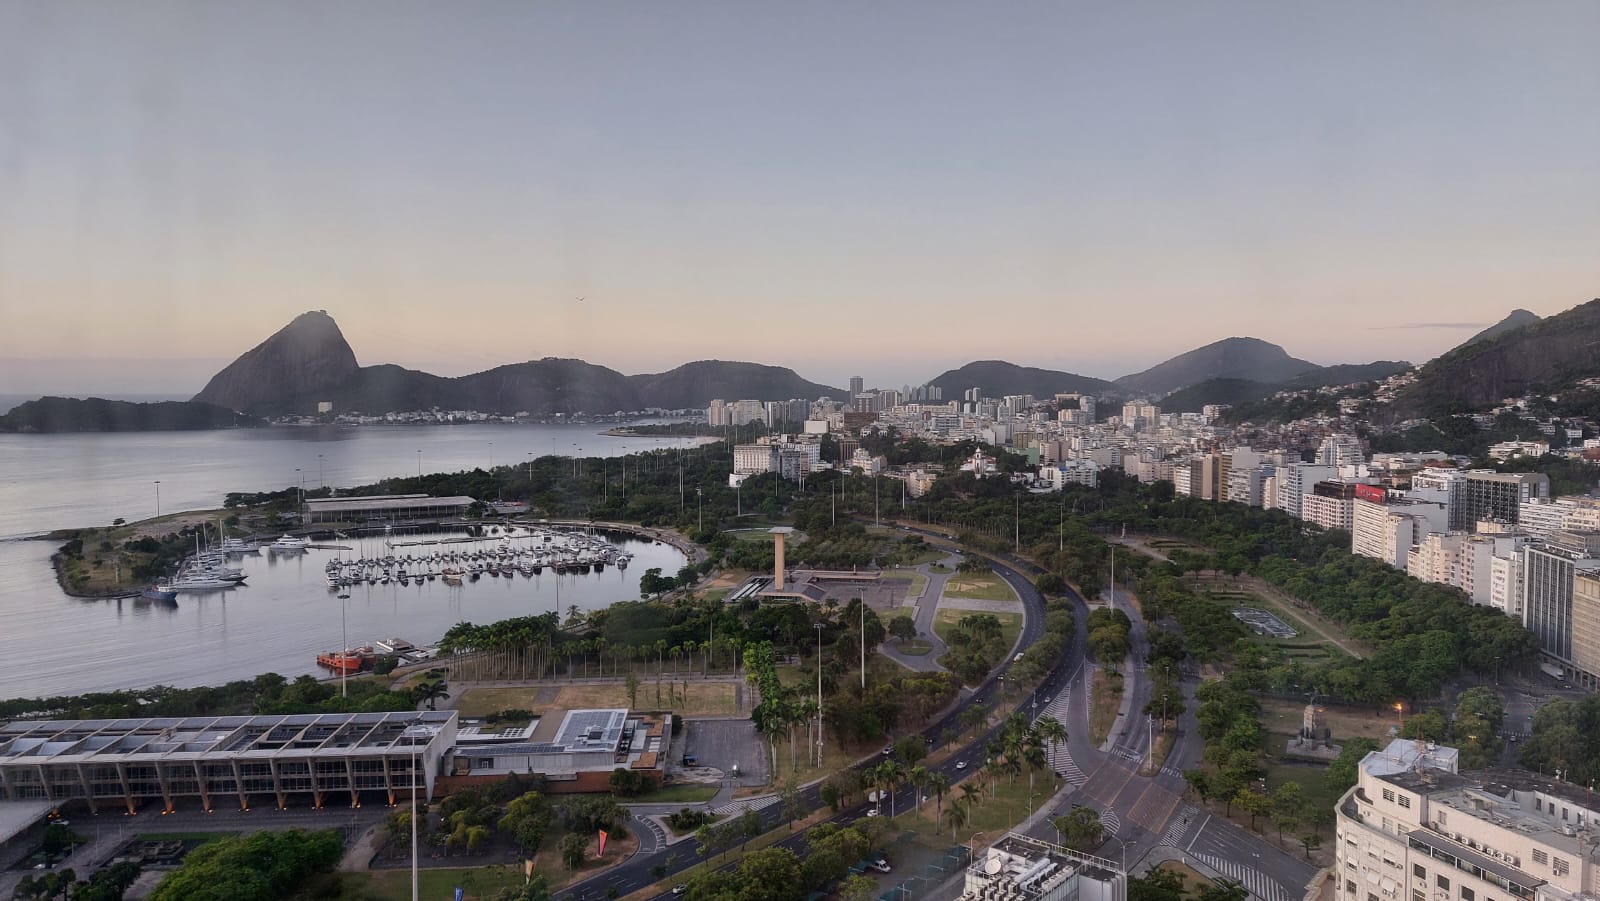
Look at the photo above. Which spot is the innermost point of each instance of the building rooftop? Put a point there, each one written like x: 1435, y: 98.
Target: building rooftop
x: 384, y: 502
x: 188, y: 738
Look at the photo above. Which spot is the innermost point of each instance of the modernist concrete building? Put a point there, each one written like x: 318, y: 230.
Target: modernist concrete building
x: 300, y: 759
x: 385, y: 507
x: 1414, y: 829
x: 574, y: 752
x: 1022, y: 868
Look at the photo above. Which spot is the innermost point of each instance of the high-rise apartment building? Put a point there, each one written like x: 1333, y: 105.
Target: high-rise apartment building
x: 1341, y: 450
x: 857, y: 385
x: 1448, y: 486
x: 1294, y: 482
x: 1414, y: 828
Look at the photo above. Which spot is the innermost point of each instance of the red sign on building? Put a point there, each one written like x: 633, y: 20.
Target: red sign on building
x: 1372, y: 493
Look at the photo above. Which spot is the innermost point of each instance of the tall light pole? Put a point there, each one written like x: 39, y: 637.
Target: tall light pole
x: 819, y: 694
x: 491, y: 456
x: 322, y: 479
x: 863, y: 602
x: 415, y: 725
x: 419, y: 462
x: 700, y: 501
x: 302, y: 495
x: 158, y: 498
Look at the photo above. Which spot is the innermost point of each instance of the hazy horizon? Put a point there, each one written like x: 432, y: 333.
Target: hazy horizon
x: 887, y: 191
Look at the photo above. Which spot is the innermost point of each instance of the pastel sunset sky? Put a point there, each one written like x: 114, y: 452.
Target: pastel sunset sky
x: 888, y: 189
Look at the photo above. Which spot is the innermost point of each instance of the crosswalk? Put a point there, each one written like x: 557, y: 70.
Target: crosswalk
x: 1059, y: 758
x: 1127, y: 753
x: 737, y: 807
x: 1172, y: 771
x: 1178, y: 826
x: 1254, y: 882
x: 1111, y: 822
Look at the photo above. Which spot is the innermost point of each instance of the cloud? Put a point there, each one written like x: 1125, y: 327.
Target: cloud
x: 1460, y: 325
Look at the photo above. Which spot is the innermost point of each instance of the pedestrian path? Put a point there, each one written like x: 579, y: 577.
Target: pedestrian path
x: 1127, y: 753
x: 738, y: 807
x: 1110, y: 820
x: 1060, y: 760
x: 1254, y: 882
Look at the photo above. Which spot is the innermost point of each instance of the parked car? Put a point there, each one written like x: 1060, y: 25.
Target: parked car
x: 881, y: 865
x: 679, y: 889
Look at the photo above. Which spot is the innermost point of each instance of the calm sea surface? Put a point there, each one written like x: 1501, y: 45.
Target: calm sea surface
x: 54, y: 644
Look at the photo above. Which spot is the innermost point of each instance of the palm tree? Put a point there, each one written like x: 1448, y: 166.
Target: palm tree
x: 431, y: 692
x: 939, y: 783
x: 918, y: 777
x: 956, y: 815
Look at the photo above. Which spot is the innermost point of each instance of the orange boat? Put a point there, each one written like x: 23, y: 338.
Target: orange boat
x: 346, y: 661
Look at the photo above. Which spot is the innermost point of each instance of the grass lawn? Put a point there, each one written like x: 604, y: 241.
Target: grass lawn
x: 1254, y: 593
x: 200, y: 837
x: 916, y: 647
x: 919, y: 582
x: 1284, y: 717
x: 940, y: 568
x: 682, y: 793
x: 1107, y: 693
x: 688, y: 699
x: 477, y: 702
x: 476, y: 882
x: 1010, y: 624
x: 992, y: 816
x: 1193, y: 882
x: 979, y: 586
x: 932, y: 555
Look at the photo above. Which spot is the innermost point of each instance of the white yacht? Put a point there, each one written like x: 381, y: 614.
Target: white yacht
x: 288, y: 544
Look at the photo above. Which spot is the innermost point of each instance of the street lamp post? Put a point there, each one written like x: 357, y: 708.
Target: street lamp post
x: 158, y: 498
x: 415, y: 725
x: 700, y: 501
x: 419, y: 462
x: 322, y: 478
x: 819, y: 694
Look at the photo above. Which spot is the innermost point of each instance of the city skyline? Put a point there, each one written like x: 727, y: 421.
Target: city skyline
x: 889, y: 192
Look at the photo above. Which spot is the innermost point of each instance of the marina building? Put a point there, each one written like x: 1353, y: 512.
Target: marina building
x: 299, y: 759
x: 385, y: 508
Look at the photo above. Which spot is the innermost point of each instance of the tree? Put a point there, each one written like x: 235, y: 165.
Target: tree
x: 573, y: 846
x: 1156, y: 885
x: 858, y: 888
x: 1254, y: 803
x: 1311, y: 841
x: 903, y: 627
x: 748, y: 826
x: 771, y: 874
x: 632, y: 682
x: 431, y: 693
x: 911, y: 749
x: 537, y: 888
x: 1223, y: 890
x: 1081, y: 828
x: 1199, y: 783
x: 1288, y: 807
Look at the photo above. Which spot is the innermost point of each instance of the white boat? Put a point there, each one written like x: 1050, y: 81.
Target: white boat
x: 393, y: 645
x: 288, y: 544
x: 199, y: 582
x: 238, y: 546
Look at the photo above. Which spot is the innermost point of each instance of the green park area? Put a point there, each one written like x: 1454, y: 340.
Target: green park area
x: 979, y: 586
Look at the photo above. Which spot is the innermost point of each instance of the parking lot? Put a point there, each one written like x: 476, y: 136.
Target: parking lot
x: 720, y: 744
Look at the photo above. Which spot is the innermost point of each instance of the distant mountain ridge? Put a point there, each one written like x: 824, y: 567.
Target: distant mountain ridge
x: 1547, y: 355
x: 308, y: 361
x: 1250, y: 359
x: 96, y: 414
x: 997, y: 378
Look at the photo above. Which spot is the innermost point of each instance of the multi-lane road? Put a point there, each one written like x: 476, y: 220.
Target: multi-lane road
x: 1140, y: 812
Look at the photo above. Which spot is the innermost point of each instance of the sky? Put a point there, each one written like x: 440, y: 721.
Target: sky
x: 885, y: 189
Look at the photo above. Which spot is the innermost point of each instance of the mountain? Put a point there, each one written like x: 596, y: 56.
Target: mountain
x: 1251, y: 359
x: 1545, y: 356
x: 1517, y: 319
x: 1346, y: 374
x: 694, y: 384
x: 1216, y: 391
x: 997, y: 378
x: 305, y: 357
x: 70, y: 414
x: 308, y: 362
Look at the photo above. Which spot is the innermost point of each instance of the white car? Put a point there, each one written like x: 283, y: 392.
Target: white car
x: 873, y: 812
x: 881, y: 865
x: 961, y: 764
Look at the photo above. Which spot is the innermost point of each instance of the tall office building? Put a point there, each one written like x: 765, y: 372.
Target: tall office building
x: 1548, y: 570
x: 857, y: 385
x: 1448, y: 486
x: 1500, y: 495
x: 1295, y: 480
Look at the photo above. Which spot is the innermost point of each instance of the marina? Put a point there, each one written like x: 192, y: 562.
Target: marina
x: 286, y: 613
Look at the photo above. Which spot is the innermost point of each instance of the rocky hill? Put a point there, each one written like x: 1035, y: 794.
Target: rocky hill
x: 94, y: 414
x: 1250, y: 359
x: 694, y: 384
x: 1543, y: 356
x: 309, y: 361
x: 997, y: 378
x: 1515, y: 320
x: 307, y: 357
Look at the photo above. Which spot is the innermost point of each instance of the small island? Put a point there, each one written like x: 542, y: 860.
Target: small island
x: 49, y: 415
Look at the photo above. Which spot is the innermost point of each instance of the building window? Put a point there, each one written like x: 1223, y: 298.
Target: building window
x: 1540, y: 857
x: 1559, y: 866
x: 1466, y: 894
x: 1350, y: 886
x: 1538, y: 804
x: 1444, y: 883
x: 1418, y: 871
x: 1565, y: 811
x: 1388, y: 794
x: 1405, y: 801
